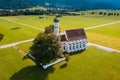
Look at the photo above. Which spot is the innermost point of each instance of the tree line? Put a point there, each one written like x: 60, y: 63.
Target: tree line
x: 52, y: 11
x: 21, y: 12
x: 106, y: 13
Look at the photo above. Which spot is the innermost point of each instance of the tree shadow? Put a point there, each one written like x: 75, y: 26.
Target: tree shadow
x: 63, y: 66
x: 32, y: 73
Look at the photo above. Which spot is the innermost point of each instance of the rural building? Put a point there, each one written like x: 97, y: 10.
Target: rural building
x: 72, y: 40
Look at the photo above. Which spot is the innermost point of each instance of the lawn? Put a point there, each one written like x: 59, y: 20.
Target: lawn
x: 92, y: 64
x: 66, y: 22
x: 11, y: 62
x: 14, y: 35
x: 107, y: 36
x: 25, y: 47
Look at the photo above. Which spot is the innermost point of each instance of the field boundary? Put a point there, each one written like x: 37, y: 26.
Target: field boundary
x: 19, y: 50
x: 16, y: 43
x: 103, y: 47
x: 30, y: 40
x: 102, y: 25
x: 22, y: 24
x: 89, y: 44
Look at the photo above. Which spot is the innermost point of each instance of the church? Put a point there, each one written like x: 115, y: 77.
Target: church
x: 72, y: 40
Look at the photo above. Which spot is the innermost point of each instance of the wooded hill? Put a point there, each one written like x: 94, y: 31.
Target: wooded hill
x: 81, y: 4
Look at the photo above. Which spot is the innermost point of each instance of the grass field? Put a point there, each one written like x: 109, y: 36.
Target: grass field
x: 108, y: 36
x: 92, y: 64
x: 11, y: 62
x: 110, y: 33
x: 10, y: 35
x: 66, y: 22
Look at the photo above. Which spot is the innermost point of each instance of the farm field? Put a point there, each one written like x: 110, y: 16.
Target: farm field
x: 11, y: 62
x: 108, y: 36
x: 13, y: 35
x: 90, y: 64
x: 66, y: 22
x: 109, y: 33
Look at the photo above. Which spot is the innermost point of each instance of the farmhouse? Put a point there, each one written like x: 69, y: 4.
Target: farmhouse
x: 72, y: 40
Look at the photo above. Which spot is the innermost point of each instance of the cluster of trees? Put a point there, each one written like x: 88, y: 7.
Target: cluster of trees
x: 46, y: 46
x: 1, y: 36
x: 49, y: 11
x: 21, y: 12
x: 107, y: 13
x: 32, y: 12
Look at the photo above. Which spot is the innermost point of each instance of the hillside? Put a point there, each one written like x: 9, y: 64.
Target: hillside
x: 82, y: 4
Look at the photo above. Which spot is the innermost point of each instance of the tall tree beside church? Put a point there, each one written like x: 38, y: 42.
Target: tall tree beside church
x: 1, y: 36
x: 46, y: 46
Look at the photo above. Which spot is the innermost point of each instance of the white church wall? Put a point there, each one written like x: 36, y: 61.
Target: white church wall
x: 73, y: 46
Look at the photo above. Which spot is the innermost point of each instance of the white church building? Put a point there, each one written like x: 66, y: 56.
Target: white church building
x: 72, y: 40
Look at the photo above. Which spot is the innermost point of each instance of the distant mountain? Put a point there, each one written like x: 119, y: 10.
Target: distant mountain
x: 81, y: 4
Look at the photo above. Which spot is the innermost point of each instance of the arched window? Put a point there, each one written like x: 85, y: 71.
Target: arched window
x: 64, y: 46
x: 70, y: 46
x: 73, y: 45
x: 84, y: 44
x: 80, y: 44
x: 76, y: 45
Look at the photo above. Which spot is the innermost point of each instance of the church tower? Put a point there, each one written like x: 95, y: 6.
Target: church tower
x: 56, y: 26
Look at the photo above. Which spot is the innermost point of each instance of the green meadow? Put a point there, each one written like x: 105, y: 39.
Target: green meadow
x: 107, y: 35
x: 11, y: 62
x: 66, y: 22
x: 13, y: 35
x: 92, y: 64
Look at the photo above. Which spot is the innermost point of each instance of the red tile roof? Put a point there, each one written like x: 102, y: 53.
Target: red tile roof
x: 75, y: 34
x: 63, y: 38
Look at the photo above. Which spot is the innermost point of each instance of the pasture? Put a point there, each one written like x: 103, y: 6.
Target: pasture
x: 66, y: 22
x: 92, y: 64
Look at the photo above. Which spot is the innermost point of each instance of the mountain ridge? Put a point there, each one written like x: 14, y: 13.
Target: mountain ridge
x: 81, y: 4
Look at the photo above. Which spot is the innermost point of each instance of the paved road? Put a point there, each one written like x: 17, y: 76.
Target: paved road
x: 103, y: 47
x: 102, y: 25
x: 21, y: 24
x: 16, y: 43
x: 89, y: 44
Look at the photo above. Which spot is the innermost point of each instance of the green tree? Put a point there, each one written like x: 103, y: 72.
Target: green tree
x: 46, y: 47
x: 49, y: 29
x: 1, y: 36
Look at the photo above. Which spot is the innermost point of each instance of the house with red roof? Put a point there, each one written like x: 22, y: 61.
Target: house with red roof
x: 72, y: 40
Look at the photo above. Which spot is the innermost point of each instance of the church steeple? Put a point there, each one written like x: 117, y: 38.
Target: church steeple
x: 56, y: 26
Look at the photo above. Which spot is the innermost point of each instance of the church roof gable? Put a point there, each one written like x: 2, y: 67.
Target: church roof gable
x: 74, y: 34
x: 63, y: 37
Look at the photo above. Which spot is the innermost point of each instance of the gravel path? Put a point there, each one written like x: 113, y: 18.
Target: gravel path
x: 103, y: 47
x: 16, y: 43
x: 89, y: 44
x: 21, y: 24
x: 102, y: 25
